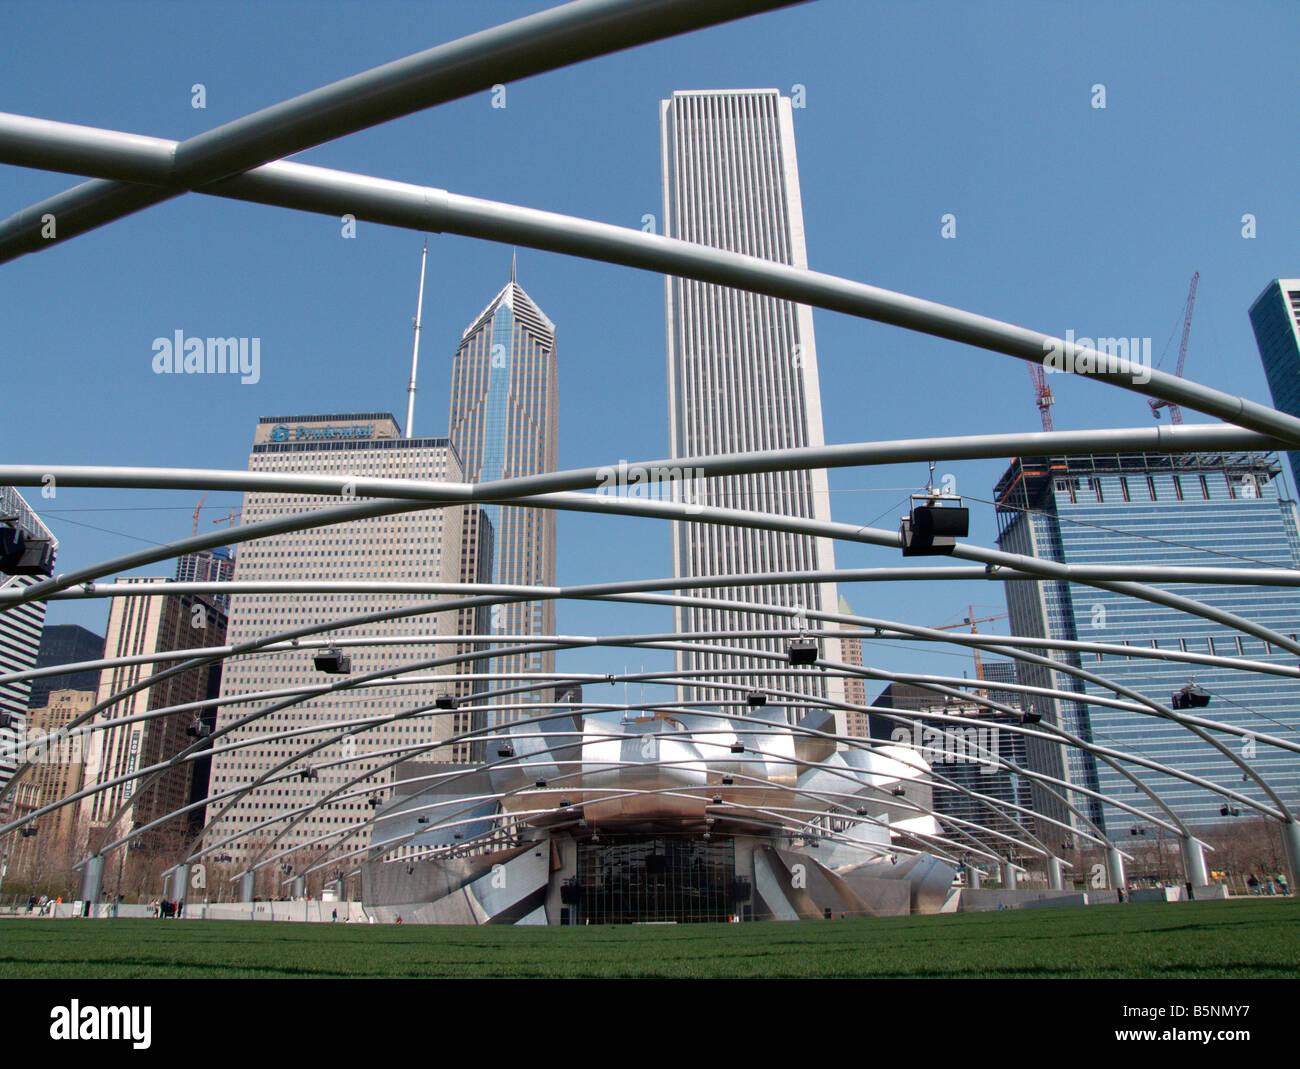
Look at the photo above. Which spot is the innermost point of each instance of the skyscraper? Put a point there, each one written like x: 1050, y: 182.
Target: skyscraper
x: 965, y: 753
x: 65, y: 644
x: 855, y: 687
x: 20, y: 638
x: 742, y: 369
x: 504, y: 407
x: 1220, y: 510
x: 414, y: 546
x: 1275, y: 317
x: 208, y: 566
x: 55, y: 773
x: 143, y: 625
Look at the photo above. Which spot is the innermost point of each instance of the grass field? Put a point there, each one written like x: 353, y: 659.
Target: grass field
x: 1237, y: 939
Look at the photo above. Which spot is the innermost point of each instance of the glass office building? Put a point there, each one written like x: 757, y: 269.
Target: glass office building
x: 1220, y: 510
x: 504, y: 412
x: 1275, y: 318
x: 970, y: 784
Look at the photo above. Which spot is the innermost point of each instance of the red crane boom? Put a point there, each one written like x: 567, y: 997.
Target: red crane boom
x: 1043, y: 394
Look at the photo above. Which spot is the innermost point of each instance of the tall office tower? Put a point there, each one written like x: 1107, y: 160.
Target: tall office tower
x: 417, y: 547
x: 65, y: 644
x: 855, y: 687
x: 20, y: 638
x: 477, y: 544
x: 1275, y: 317
x: 143, y: 625
x: 970, y: 782
x: 208, y: 566
x: 57, y: 765
x: 742, y: 374
x: 504, y: 407
x: 1220, y: 510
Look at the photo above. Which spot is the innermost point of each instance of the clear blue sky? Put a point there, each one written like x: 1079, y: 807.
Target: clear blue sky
x: 1068, y: 217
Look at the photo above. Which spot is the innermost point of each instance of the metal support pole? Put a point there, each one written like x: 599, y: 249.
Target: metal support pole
x: 246, y: 886
x: 1291, y: 848
x: 972, y: 877
x: 92, y: 879
x: 1194, y: 862
x: 1055, y: 878
x: 1115, y: 866
x: 180, y: 884
x: 300, y: 887
x: 1008, y: 876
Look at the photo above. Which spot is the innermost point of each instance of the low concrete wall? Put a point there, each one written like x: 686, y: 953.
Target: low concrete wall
x: 307, y: 911
x: 313, y: 912
x: 981, y: 900
x: 1157, y: 894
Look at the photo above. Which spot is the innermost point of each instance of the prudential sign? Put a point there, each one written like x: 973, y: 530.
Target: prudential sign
x: 298, y: 434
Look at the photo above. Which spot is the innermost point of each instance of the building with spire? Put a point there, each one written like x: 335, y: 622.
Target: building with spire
x: 504, y: 408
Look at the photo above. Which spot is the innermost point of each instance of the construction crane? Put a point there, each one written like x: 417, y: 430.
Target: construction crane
x: 1043, y: 393
x: 971, y: 621
x: 230, y: 517
x: 1176, y: 413
x: 195, y: 530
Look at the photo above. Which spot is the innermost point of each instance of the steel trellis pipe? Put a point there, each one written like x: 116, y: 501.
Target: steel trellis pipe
x: 545, y: 41
x: 429, y: 209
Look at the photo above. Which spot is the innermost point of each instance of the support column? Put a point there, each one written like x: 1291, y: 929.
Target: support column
x: 246, y: 886
x: 92, y: 880
x: 299, y: 887
x: 1291, y: 849
x: 1115, y: 866
x: 1055, y: 879
x: 1008, y: 876
x: 973, y: 877
x: 1194, y: 862
x: 180, y: 883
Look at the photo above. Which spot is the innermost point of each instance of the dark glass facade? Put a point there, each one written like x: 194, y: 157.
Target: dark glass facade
x: 1275, y: 318
x: 631, y: 881
x: 1144, y: 509
x: 65, y: 644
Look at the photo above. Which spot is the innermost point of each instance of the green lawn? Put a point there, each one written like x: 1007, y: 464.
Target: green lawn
x: 1237, y: 939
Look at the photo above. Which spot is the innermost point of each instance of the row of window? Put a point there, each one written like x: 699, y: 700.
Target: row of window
x: 1245, y: 485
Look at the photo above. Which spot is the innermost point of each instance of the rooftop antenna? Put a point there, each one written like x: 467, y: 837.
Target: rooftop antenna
x: 415, y: 352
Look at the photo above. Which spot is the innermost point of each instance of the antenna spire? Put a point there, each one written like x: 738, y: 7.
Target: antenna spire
x: 415, y: 352
x: 514, y: 256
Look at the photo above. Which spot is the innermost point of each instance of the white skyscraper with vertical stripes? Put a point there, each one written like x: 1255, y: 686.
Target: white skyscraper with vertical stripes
x: 742, y: 368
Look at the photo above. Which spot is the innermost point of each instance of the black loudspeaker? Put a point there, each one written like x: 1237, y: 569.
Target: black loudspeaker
x: 21, y: 554
x: 933, y: 530
x: 333, y: 662
x: 802, y: 651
